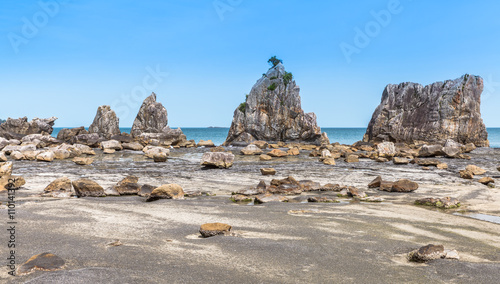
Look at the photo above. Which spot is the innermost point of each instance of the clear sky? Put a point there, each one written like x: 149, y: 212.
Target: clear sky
x: 66, y: 58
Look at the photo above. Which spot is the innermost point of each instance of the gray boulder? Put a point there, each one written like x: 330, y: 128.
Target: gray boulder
x: 410, y: 112
x: 152, y: 117
x: 20, y: 127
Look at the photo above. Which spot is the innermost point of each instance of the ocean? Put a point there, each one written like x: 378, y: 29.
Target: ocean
x: 336, y: 134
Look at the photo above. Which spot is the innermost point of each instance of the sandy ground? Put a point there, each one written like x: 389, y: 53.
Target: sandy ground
x: 347, y: 242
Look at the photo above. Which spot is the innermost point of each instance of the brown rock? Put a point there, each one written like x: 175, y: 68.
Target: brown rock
x: 376, y: 182
x: 352, y: 159
x: 261, y: 144
x: 400, y: 161
x: 322, y: 199
x: 11, y: 182
x: 160, y: 157
x: 329, y: 161
x: 128, y: 186
x: 3, y: 158
x: 45, y: 156
x: 475, y: 170
x: 265, y: 157
x: 166, y: 191
x: 486, y: 180
x: 207, y: 143
x: 5, y: 169
x: 386, y: 185
x: 268, y: 197
x: 466, y: 174
x: 355, y: 192
x: 404, y: 185
x: 218, y: 149
x: 105, y: 123
x: 44, y: 262
x: 60, y: 184
x: 442, y: 166
x: 293, y: 152
x: 146, y: 190
x: 83, y: 161
x: 446, y: 202
x: 426, y: 253
x: 85, y: 187
x: 267, y: 171
x: 214, y: 229
x: 277, y: 153
x: 135, y: 146
x: 382, y: 160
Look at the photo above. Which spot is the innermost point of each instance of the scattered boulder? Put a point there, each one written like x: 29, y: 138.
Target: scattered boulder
x: 217, y: 159
x: 218, y: 149
x: 111, y: 145
x: 404, y: 185
x: 11, y: 182
x: 85, y: 187
x: 60, y: 188
x: 329, y: 161
x: 269, y: 197
x: 400, y: 161
x: 83, y: 161
x: 265, y: 157
x: 375, y: 183
x: 261, y: 144
x: 486, y: 180
x: 146, y: 190
x: 442, y: 166
x: 466, y: 174
x: 251, y: 150
x: 322, y: 199
x: 213, y: 229
x: 207, y: 143
x: 410, y: 112
x: 267, y: 171
x: 16, y: 155
x: 469, y: 147
x: 355, y: 192
x: 445, y: 203
x: 3, y: 158
x: 128, y: 186
x: 241, y: 198
x: 381, y: 160
x: 277, y: 153
x: 134, y: 146
x: 92, y: 140
x: 160, y: 157
x: 427, y: 162
x: 352, y: 159
x: 44, y: 262
x: 386, y: 149
x: 46, y: 156
x: 151, y: 118
x: 293, y: 152
x: 325, y: 154
x: 151, y: 151
x: 61, y: 154
x: 106, y: 123
x: 475, y: 170
x: 6, y: 169
x: 66, y: 134
x: 427, y: 253
x: 166, y: 191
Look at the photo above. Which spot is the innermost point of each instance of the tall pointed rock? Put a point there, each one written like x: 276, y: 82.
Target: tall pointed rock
x: 273, y: 112
x: 105, y: 123
x: 152, y: 117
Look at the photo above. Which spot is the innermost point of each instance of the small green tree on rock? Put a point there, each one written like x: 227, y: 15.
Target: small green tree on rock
x: 274, y: 61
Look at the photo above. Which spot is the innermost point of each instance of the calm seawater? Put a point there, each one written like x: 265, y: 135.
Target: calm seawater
x: 341, y: 135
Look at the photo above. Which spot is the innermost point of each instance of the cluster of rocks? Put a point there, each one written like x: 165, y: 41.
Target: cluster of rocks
x: 63, y: 188
x: 281, y: 190
x: 402, y: 185
x: 7, y: 179
x: 471, y: 170
x: 444, y: 203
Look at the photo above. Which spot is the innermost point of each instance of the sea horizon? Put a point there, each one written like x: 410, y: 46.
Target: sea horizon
x: 343, y: 135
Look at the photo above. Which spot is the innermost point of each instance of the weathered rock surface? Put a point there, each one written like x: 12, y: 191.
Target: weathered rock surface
x: 267, y: 171
x: 426, y: 253
x: 486, y: 180
x: 128, y: 186
x: 277, y: 153
x: 106, y: 123
x: 85, y: 187
x: 251, y: 150
x: 151, y: 118
x: 265, y: 157
x: 410, y: 112
x: 475, y: 170
x: 207, y: 143
x: 20, y: 127
x: 111, y: 144
x: 273, y: 112
x: 45, y: 156
x: 214, y: 229
x: 386, y: 149
x: 66, y: 134
x: 217, y: 159
x: 44, y: 262
x: 91, y: 139
x: 404, y: 185
x: 166, y: 191
x: 61, y: 187
x: 445, y: 202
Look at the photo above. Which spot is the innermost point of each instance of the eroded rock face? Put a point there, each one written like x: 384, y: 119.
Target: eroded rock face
x: 410, y: 112
x: 152, y: 117
x: 273, y: 112
x: 106, y: 123
x: 66, y: 134
x: 17, y: 128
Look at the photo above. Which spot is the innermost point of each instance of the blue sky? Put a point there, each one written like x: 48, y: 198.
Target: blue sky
x: 68, y: 57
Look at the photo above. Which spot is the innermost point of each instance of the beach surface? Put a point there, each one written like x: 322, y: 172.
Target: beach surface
x: 293, y: 242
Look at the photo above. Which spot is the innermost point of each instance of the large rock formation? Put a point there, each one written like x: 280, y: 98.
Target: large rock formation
x: 106, y: 123
x: 272, y: 112
x: 150, y: 125
x: 20, y: 127
x: 410, y: 112
x: 152, y: 117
